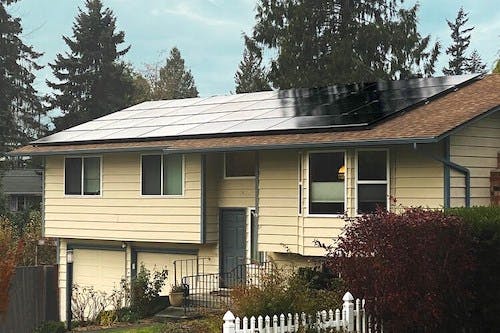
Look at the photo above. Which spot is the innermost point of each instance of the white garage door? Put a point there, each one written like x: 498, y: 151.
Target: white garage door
x: 159, y: 261
x: 101, y: 269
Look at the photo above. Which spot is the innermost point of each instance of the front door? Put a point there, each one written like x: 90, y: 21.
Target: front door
x: 232, y: 246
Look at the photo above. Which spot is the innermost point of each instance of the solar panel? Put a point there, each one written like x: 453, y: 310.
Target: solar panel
x: 335, y: 107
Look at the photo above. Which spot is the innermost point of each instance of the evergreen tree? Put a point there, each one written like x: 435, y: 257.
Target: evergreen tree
x: 20, y: 107
x: 92, y: 80
x: 322, y: 42
x: 141, y: 88
x: 173, y: 80
x: 496, y: 69
x: 457, y: 50
x: 251, y: 76
x: 475, y: 64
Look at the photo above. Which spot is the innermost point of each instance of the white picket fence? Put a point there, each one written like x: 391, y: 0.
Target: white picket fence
x: 352, y: 318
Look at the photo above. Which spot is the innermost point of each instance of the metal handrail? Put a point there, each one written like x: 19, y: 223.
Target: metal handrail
x: 212, y: 290
x: 189, y: 266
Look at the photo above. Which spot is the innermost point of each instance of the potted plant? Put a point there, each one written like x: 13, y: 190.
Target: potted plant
x: 177, y: 293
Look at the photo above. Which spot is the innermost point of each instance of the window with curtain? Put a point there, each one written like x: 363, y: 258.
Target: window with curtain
x: 162, y: 174
x: 82, y: 176
x: 326, y: 183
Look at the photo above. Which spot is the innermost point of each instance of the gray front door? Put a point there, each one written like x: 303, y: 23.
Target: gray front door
x: 232, y: 245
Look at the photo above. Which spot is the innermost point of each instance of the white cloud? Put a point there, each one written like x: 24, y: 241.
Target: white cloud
x: 188, y: 12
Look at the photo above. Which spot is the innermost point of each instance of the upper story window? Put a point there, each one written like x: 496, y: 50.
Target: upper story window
x: 239, y: 164
x: 327, y: 183
x: 372, y: 180
x: 162, y: 174
x: 82, y: 175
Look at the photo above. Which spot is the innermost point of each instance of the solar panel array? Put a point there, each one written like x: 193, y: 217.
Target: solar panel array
x: 340, y: 106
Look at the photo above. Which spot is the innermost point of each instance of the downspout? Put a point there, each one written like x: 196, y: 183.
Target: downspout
x: 448, y: 164
x: 43, y: 195
x: 447, y: 176
x: 203, y: 200
x: 257, y: 194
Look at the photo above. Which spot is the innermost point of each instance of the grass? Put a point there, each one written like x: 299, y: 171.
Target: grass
x: 208, y: 324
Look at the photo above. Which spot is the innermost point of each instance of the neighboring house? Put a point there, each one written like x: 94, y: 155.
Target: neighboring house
x: 231, y: 178
x: 23, y: 188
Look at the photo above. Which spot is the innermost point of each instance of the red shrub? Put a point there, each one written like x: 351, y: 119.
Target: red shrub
x: 412, y: 268
x: 11, y: 250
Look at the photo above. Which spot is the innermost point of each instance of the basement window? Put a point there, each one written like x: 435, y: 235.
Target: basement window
x: 239, y: 164
x: 372, y: 180
x: 82, y: 176
x: 162, y: 174
x: 327, y: 183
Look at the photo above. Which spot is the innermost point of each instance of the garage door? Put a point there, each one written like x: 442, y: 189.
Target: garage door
x: 101, y: 269
x: 159, y: 261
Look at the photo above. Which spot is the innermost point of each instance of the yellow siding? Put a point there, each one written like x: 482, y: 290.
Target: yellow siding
x: 121, y: 213
x: 417, y: 178
x: 475, y: 147
x: 279, y: 228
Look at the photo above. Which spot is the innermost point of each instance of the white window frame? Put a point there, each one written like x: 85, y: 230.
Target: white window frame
x: 300, y: 184
x: 306, y: 193
x: 183, y: 172
x: 82, y: 195
x: 237, y: 177
x: 375, y: 182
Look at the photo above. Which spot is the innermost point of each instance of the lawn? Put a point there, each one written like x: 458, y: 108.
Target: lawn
x: 209, y: 324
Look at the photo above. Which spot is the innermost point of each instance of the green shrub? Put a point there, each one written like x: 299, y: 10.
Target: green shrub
x: 145, y: 292
x: 484, y: 223
x: 51, y: 327
x: 285, y: 291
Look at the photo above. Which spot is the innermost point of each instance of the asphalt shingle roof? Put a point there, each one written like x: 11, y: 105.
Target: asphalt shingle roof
x: 426, y: 123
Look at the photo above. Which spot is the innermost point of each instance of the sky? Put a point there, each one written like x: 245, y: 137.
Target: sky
x: 209, y: 32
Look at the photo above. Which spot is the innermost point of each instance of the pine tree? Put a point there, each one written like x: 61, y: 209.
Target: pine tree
x: 251, y: 76
x: 475, y: 64
x: 20, y: 107
x: 457, y: 50
x: 92, y: 80
x: 496, y: 68
x: 322, y: 42
x: 173, y: 80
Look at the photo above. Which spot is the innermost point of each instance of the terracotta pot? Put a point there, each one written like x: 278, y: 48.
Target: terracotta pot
x: 176, y: 298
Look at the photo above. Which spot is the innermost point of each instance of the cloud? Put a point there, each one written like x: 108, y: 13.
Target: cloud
x: 184, y: 10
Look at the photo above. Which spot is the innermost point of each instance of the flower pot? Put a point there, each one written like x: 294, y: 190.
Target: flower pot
x: 176, y: 298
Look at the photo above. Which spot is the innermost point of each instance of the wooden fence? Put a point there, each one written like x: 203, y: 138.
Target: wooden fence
x: 352, y: 318
x: 33, y: 299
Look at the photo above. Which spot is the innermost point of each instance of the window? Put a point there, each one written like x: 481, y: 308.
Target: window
x: 326, y: 182
x: 82, y: 176
x: 372, y: 180
x: 240, y: 164
x: 162, y: 174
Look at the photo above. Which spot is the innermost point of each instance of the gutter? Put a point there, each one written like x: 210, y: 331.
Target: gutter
x: 448, y: 164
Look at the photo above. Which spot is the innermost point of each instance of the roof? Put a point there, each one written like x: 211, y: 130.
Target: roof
x: 22, y: 181
x: 428, y: 122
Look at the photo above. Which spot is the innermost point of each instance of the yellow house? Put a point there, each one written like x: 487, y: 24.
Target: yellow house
x: 202, y: 185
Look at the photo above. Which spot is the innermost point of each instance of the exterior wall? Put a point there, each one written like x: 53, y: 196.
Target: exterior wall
x: 121, y: 213
x: 417, y: 179
x: 279, y: 223
x: 476, y: 147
